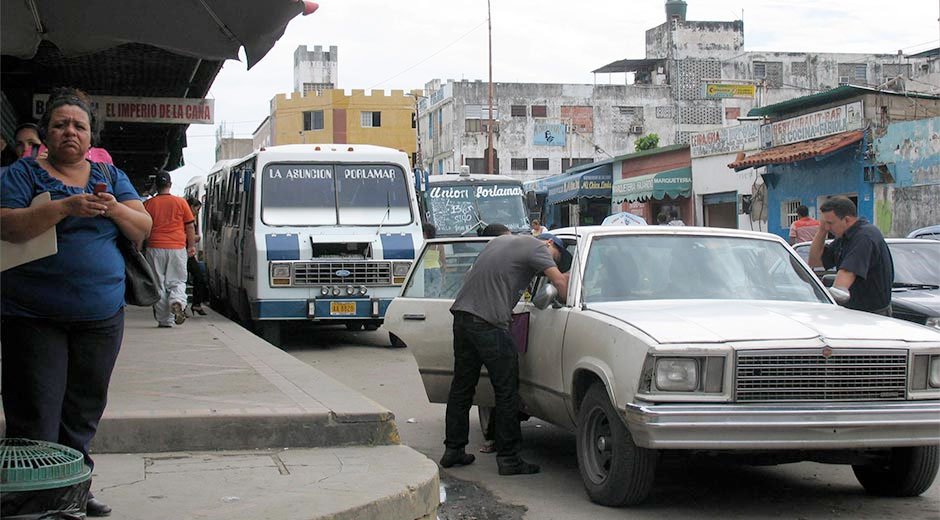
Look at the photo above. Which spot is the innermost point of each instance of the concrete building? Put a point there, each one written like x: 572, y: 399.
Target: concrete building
x: 539, y: 129
x: 227, y: 146
x: 315, y: 70
x: 333, y: 116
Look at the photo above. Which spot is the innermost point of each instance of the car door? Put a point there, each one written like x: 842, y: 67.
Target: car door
x: 420, y: 317
x: 541, y: 386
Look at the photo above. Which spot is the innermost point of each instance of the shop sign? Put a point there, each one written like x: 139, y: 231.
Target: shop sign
x: 183, y: 111
x: 727, y: 139
x: 830, y: 121
x: 549, y: 134
x: 728, y: 90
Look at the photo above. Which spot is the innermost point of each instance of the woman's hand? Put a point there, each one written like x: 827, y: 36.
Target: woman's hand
x: 83, y: 205
x: 109, y: 201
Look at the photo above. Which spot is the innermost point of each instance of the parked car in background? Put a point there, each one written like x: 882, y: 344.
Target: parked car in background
x: 931, y: 232
x: 700, y: 339
x: 916, y: 292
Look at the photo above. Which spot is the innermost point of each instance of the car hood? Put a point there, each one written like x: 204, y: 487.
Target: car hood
x: 711, y: 321
x: 923, y: 301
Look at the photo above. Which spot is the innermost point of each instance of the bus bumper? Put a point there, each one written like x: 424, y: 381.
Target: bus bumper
x: 321, y: 309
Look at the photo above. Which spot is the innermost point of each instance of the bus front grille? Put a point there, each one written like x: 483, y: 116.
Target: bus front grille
x: 342, y: 273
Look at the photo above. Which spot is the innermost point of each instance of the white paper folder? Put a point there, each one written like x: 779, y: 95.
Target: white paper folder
x: 12, y: 255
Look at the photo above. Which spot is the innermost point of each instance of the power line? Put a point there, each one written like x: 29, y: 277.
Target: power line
x: 442, y: 49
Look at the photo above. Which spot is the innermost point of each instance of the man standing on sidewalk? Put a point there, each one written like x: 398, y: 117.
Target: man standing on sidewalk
x: 171, y: 241
x: 482, y: 314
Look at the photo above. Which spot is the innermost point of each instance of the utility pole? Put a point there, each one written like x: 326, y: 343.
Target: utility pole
x: 489, y: 117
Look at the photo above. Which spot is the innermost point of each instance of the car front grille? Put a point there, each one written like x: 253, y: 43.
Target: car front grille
x: 802, y: 375
x: 325, y: 273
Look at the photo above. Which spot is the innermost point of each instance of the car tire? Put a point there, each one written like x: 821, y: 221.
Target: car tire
x: 614, y: 470
x: 907, y: 472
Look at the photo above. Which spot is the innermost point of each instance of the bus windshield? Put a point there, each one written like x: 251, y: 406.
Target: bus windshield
x: 455, y: 209
x: 334, y: 194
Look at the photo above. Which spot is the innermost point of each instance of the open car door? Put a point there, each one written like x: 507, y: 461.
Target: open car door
x: 420, y: 317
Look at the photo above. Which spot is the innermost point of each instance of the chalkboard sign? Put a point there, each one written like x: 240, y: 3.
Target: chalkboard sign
x: 451, y: 209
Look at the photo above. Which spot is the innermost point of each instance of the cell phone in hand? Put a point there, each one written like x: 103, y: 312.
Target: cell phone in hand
x: 100, y: 188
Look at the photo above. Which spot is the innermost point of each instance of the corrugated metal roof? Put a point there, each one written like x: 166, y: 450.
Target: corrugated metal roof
x: 799, y: 151
x: 829, y: 96
x: 628, y: 65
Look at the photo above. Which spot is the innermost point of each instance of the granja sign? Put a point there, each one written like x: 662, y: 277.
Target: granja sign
x: 814, y: 125
x: 728, y: 139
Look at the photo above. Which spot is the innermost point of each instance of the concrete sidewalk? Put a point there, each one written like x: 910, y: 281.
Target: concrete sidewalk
x: 212, y: 422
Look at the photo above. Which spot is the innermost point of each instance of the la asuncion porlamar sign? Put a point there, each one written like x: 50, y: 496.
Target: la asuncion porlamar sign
x: 835, y: 120
x: 183, y: 111
x: 724, y: 140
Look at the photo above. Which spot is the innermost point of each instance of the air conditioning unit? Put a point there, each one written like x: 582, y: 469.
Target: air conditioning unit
x: 636, y: 129
x: 844, y: 80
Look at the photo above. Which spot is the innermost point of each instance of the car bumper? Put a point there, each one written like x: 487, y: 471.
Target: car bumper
x: 321, y: 309
x: 785, y: 426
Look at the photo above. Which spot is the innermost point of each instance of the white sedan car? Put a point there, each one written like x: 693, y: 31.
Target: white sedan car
x: 682, y: 338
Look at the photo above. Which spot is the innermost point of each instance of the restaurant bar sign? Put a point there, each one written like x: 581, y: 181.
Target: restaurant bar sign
x: 183, y: 111
x: 728, y: 90
x: 727, y: 139
x: 814, y: 125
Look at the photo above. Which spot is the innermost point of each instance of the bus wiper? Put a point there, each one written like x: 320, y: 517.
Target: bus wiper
x: 906, y: 285
x: 477, y: 224
x: 388, y: 212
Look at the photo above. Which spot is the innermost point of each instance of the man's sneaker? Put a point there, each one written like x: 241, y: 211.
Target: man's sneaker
x: 516, y: 466
x: 456, y: 458
x: 178, y: 314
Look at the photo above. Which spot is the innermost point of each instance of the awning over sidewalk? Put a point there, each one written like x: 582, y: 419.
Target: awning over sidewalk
x: 672, y: 183
x: 592, y: 183
x: 798, y: 151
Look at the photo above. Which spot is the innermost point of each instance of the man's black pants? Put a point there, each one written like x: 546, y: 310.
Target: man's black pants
x: 477, y: 344
x: 56, y: 376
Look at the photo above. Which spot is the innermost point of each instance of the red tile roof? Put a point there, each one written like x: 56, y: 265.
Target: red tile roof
x: 798, y: 151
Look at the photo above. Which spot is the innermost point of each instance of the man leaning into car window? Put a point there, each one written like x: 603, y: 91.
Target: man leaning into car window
x: 482, y: 313
x: 865, y: 270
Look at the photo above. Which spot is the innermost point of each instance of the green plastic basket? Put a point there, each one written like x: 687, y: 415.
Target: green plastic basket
x: 27, y: 465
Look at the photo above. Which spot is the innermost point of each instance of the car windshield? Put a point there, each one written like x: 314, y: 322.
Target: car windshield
x: 916, y: 263
x: 331, y: 194
x: 454, y: 209
x: 660, y: 267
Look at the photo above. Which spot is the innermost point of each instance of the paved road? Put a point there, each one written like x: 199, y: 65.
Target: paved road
x: 685, y: 487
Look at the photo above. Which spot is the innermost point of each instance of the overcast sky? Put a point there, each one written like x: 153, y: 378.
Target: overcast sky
x: 402, y: 45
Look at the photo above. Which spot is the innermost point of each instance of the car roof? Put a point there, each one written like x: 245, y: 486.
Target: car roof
x: 585, y: 231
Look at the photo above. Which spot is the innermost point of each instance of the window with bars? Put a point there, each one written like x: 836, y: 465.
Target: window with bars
x: 371, y: 119
x: 540, y: 164
x: 630, y: 111
x: 893, y: 70
x: 798, y: 68
x: 769, y: 71
x: 567, y: 163
x: 539, y: 111
x: 517, y: 111
x: 788, y: 212
x: 477, y: 165
x: 853, y: 73
x: 313, y: 120
x: 480, y: 112
x: 519, y: 165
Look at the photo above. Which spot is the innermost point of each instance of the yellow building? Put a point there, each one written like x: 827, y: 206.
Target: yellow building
x: 332, y: 116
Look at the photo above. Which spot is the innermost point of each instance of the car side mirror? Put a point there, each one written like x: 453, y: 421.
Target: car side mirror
x: 545, y: 296
x: 828, y: 280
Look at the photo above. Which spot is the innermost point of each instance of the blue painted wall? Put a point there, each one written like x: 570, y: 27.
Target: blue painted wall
x: 911, y: 151
x: 837, y: 173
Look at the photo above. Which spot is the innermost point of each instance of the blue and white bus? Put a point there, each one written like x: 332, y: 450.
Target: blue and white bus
x: 324, y: 233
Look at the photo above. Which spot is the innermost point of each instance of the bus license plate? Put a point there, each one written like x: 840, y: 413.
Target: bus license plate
x: 342, y: 308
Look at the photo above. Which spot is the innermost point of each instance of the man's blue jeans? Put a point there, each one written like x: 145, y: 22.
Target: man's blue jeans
x: 477, y: 344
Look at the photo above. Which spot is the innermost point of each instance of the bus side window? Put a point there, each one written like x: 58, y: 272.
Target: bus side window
x: 250, y: 201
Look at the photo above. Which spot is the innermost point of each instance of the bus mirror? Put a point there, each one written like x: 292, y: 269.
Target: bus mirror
x: 531, y: 201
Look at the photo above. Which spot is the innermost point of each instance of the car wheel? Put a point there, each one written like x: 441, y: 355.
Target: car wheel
x: 907, y: 472
x: 615, y: 471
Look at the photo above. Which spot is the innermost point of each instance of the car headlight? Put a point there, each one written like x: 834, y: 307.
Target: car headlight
x: 676, y: 374
x: 933, y: 322
x: 400, y: 271
x: 280, y: 274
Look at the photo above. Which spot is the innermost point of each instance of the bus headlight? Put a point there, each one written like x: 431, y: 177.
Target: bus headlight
x: 325, y: 290
x: 400, y: 271
x: 350, y: 290
x: 280, y: 274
